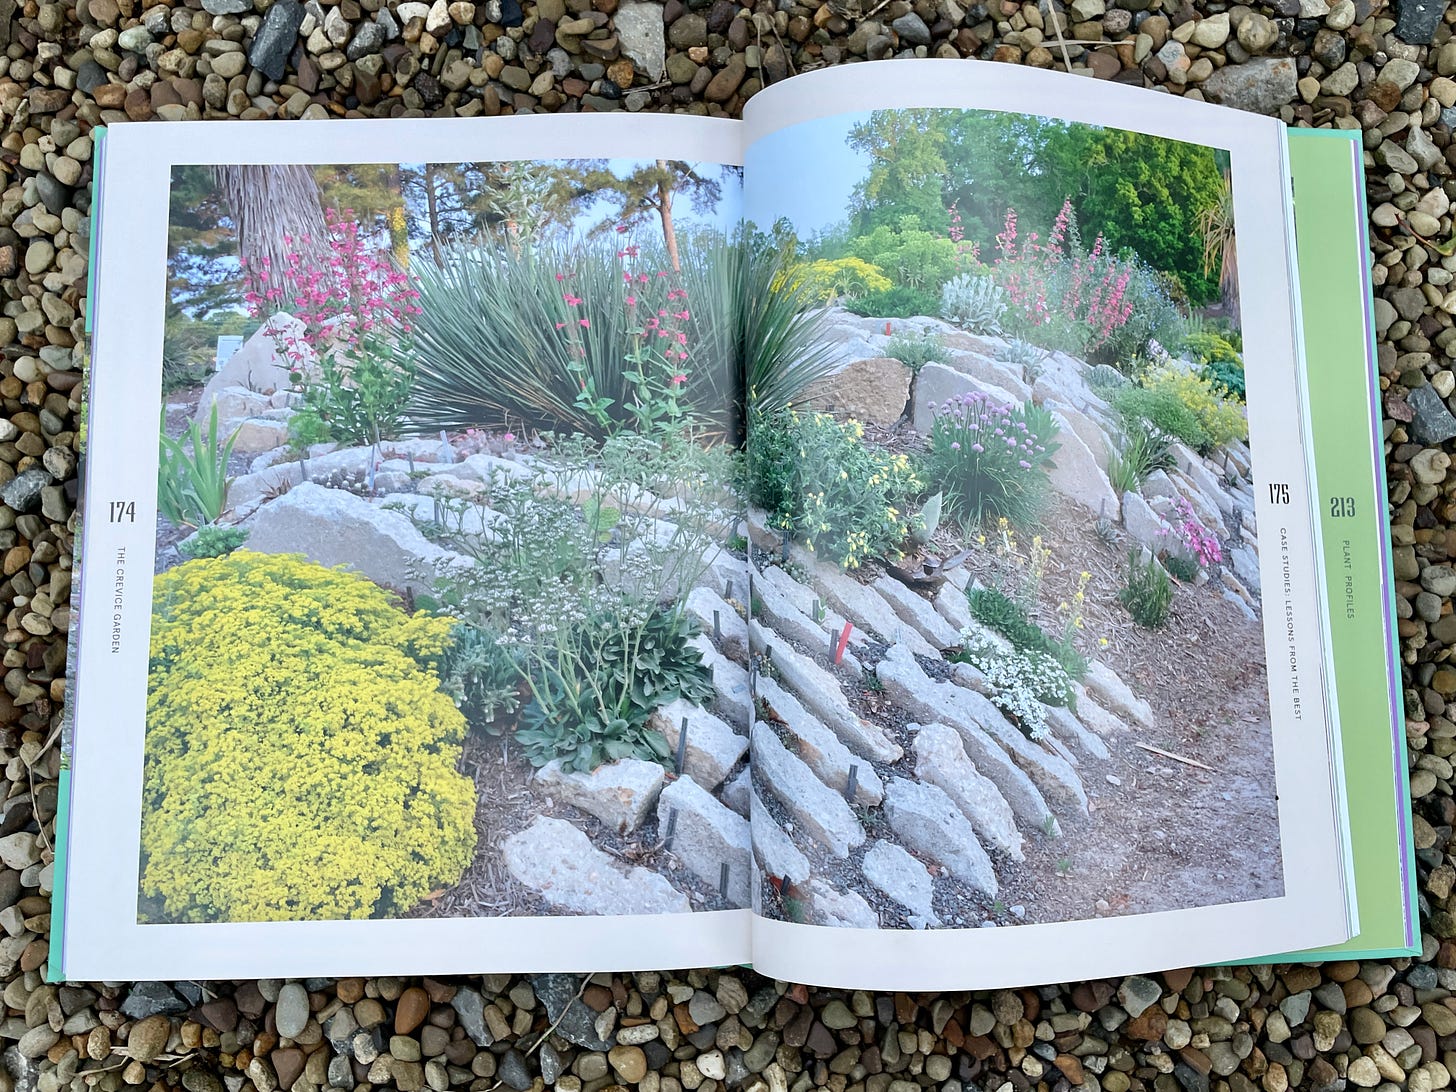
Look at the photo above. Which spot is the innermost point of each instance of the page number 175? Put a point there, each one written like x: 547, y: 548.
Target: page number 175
x: 1278, y: 492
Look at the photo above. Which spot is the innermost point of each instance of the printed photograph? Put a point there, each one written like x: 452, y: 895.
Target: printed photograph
x: 1007, y: 638
x: 448, y: 587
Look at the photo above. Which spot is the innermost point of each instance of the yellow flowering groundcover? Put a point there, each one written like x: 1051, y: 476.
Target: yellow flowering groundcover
x: 301, y: 761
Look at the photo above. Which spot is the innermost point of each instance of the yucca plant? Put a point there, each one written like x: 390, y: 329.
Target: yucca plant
x: 192, y: 487
x: 515, y: 335
x: 500, y: 340
x: 1140, y: 451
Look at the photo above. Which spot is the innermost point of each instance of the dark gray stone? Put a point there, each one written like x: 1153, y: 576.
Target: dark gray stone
x: 513, y: 1071
x: 152, y: 999
x: 470, y: 1007
x: 912, y: 29
x: 276, y: 38
x: 369, y: 38
x: 89, y: 76
x: 53, y: 195
x: 550, y: 1063
x: 22, y: 492
x: 1432, y: 424
x: 1416, y: 20
x: 573, y: 1020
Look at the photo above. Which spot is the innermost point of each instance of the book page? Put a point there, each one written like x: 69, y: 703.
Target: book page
x: 406, y: 643
x: 1061, y: 712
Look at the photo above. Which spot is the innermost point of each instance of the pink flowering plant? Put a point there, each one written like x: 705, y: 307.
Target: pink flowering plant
x: 1190, y: 546
x: 352, y: 359
x: 654, y: 371
x: 1061, y: 296
x: 990, y: 458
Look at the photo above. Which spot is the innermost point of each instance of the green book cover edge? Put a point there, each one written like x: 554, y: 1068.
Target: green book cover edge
x: 1340, y: 376
x: 55, y: 956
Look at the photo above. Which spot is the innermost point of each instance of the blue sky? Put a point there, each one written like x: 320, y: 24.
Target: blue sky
x: 806, y: 172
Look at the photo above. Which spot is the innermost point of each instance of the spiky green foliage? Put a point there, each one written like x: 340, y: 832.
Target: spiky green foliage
x: 192, y: 486
x: 501, y: 343
x: 1148, y: 592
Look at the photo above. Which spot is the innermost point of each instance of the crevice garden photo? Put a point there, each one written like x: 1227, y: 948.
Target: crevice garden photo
x: 594, y: 537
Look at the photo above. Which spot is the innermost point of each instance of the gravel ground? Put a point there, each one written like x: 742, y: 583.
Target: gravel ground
x: 66, y: 68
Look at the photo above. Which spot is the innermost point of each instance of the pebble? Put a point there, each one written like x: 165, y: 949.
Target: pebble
x: 291, y: 1016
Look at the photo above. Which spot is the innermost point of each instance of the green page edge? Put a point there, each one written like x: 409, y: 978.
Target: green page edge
x: 55, y: 956
x: 1339, y: 341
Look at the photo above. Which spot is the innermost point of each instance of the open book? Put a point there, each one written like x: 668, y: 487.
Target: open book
x: 895, y: 540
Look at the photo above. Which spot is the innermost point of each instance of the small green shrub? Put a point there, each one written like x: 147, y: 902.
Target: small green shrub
x: 1162, y: 411
x: 300, y: 759
x: 192, y: 487
x: 1148, y: 593
x: 908, y: 254
x: 1226, y: 376
x: 211, y: 540
x: 571, y: 616
x: 915, y: 351
x: 817, y: 479
x: 591, y: 703
x: 828, y: 279
x: 1221, y: 419
x: 1024, y: 354
x: 480, y: 675
x: 1207, y: 347
x: 974, y: 302
x: 990, y: 458
x: 901, y: 301
x: 1181, y: 568
x: 1104, y: 377
x: 1140, y: 452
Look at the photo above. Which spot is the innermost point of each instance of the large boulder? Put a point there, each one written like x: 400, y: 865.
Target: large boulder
x: 334, y: 527
x: 1143, y: 523
x: 619, y: 793
x: 935, y: 384
x: 253, y: 435
x: 988, y: 369
x: 261, y: 365
x: 1076, y: 473
x: 873, y: 390
x: 558, y: 861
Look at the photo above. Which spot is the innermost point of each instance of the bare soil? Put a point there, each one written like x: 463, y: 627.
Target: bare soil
x: 508, y: 800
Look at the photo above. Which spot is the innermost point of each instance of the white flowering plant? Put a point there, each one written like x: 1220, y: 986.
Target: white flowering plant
x: 1022, y: 683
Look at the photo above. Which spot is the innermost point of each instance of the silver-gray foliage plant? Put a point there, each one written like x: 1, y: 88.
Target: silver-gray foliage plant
x: 974, y: 302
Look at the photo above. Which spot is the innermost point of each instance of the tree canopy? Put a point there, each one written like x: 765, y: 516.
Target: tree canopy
x: 1139, y: 192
